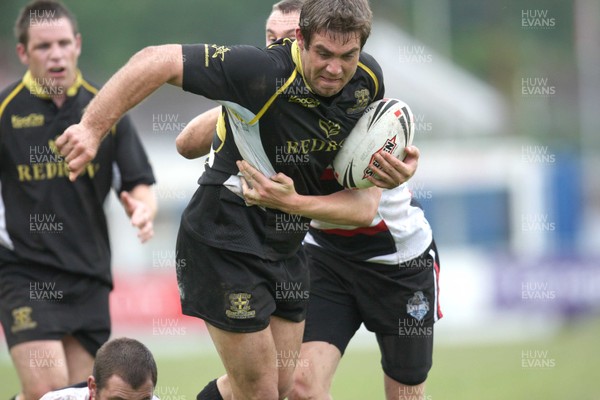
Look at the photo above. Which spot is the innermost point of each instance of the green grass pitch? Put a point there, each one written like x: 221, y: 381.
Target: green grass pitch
x: 563, y: 367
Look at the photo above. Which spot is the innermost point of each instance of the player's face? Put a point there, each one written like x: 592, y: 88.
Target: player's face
x: 280, y: 25
x: 51, y: 54
x: 330, y: 61
x: 117, y: 388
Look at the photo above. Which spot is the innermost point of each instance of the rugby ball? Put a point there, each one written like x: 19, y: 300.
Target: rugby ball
x: 386, y: 125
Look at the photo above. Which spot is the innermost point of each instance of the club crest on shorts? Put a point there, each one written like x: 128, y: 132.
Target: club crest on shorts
x: 417, y: 306
x: 22, y: 319
x: 239, y: 306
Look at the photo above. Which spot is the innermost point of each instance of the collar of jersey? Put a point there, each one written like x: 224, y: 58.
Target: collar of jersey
x: 37, y: 90
x: 298, y: 61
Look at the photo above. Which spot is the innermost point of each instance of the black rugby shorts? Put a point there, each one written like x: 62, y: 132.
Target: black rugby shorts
x: 238, y: 292
x: 42, y: 303
x: 397, y: 301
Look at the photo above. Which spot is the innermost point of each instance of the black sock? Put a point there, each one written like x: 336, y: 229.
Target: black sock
x: 210, y: 392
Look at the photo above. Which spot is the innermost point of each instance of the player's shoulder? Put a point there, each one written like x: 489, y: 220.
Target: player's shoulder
x: 11, y: 90
x: 368, y: 63
x: 88, y: 86
x: 9, y: 95
x: 281, y: 51
x: 282, y: 45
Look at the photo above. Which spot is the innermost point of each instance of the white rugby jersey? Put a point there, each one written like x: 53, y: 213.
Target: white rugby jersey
x: 72, y: 394
x: 398, y: 233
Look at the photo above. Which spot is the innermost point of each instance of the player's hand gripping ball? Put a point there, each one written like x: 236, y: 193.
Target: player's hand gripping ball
x: 386, y: 125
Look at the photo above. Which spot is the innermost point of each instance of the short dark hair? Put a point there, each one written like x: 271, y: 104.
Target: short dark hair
x: 41, y: 10
x: 338, y: 17
x: 127, y: 358
x: 288, y: 6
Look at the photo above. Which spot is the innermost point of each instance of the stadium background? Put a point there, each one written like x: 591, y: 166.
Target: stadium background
x: 505, y: 96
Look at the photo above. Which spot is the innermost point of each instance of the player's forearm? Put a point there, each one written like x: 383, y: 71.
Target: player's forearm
x: 145, y: 72
x: 195, y: 139
x: 346, y: 207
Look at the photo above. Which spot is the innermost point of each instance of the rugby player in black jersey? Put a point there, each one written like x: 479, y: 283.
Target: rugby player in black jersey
x: 55, y: 275
x: 342, y: 254
x: 296, y: 98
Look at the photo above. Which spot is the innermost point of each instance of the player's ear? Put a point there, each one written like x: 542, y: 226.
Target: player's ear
x: 22, y: 54
x: 91, y: 383
x: 300, y: 38
x: 78, y: 44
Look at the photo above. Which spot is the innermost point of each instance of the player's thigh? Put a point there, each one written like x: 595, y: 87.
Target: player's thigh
x: 79, y: 361
x: 287, y: 336
x: 250, y: 360
x: 41, y: 366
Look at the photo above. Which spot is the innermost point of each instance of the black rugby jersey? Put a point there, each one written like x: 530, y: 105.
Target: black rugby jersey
x: 45, y: 218
x: 274, y: 121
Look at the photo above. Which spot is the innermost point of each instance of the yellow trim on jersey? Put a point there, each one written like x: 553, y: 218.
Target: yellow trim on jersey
x: 221, y: 130
x: 298, y: 61
x: 38, y: 90
x: 89, y: 87
x: 10, y: 97
x: 372, y: 75
x: 287, y: 83
x: 272, y: 99
x: 283, y: 43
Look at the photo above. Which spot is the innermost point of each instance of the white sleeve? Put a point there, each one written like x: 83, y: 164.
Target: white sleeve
x: 67, y: 394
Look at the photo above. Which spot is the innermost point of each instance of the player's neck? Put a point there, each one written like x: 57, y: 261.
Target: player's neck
x: 59, y: 100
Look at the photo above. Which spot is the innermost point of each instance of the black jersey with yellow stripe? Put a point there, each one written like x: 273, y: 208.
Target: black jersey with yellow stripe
x: 275, y: 121
x: 45, y: 218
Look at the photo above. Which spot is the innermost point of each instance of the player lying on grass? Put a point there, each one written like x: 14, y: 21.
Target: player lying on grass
x: 123, y: 369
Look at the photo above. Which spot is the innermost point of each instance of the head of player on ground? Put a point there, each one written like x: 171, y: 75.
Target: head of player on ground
x: 330, y: 36
x: 124, y: 368
x: 49, y: 44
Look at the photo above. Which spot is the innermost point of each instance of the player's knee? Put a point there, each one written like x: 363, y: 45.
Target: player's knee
x: 284, y: 388
x: 303, y: 393
x: 298, y: 392
x: 306, y: 389
x: 407, y: 376
x: 261, y: 393
x: 262, y: 390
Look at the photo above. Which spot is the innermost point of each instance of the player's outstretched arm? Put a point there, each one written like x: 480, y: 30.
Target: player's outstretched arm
x: 346, y: 207
x: 393, y: 172
x: 195, y: 139
x: 140, y: 206
x: 145, y: 72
